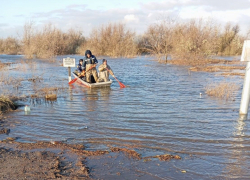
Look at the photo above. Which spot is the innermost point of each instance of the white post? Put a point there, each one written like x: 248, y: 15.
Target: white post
x: 245, y: 56
x: 69, y: 74
x: 245, y: 93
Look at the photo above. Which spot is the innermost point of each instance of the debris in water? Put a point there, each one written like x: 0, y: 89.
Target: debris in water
x: 4, y: 131
x: 27, y: 108
x: 51, y: 96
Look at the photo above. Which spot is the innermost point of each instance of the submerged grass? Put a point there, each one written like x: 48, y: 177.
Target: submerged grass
x: 222, y: 90
x: 2, y: 65
x: 216, y: 68
x: 232, y: 74
x: 49, y: 93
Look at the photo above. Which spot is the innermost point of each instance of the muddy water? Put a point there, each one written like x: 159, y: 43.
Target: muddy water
x: 161, y: 111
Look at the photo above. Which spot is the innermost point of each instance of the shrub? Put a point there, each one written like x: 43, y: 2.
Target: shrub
x: 111, y: 40
x: 10, y: 46
x: 50, y: 41
x: 192, y: 42
x: 158, y: 39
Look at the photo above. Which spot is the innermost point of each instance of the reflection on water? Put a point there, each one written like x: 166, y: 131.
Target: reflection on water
x: 27, y: 112
x: 238, y: 163
x: 239, y: 132
x: 92, y: 95
x: 162, y: 111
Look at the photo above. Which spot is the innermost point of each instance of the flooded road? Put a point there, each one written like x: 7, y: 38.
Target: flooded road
x: 161, y: 111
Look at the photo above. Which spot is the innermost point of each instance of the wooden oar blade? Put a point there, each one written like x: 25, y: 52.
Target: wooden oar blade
x: 74, y: 80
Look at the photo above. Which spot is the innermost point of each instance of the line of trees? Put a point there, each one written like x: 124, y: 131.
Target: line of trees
x: 190, y: 42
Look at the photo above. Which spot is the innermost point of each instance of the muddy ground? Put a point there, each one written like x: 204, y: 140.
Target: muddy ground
x: 58, y: 160
x: 52, y: 161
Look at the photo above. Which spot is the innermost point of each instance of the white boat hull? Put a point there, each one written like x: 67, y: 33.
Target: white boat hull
x: 93, y: 85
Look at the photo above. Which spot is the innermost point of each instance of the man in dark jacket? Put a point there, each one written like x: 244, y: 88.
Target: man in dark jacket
x: 89, y: 65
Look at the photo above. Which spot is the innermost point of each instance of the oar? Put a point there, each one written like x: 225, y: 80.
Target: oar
x: 121, y: 85
x: 74, y: 80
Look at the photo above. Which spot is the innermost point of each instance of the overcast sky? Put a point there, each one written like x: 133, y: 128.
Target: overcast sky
x: 136, y: 14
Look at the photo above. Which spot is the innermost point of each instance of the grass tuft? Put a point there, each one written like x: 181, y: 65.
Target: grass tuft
x: 222, y: 90
x: 6, y: 104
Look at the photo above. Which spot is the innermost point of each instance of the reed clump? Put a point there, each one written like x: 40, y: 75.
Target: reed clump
x: 112, y: 40
x: 222, y: 90
x: 6, y: 104
x: 49, y: 93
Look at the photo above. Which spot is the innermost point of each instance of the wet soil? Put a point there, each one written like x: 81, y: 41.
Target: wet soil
x: 53, y: 160
x: 59, y: 160
x: 37, y: 165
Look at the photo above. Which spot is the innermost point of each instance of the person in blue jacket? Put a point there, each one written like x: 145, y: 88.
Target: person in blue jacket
x: 89, y: 65
x: 80, y: 68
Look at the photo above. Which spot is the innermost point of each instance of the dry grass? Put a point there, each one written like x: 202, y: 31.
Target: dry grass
x: 191, y: 42
x: 6, y: 104
x: 216, y: 68
x: 50, y: 41
x: 222, y: 90
x: 26, y: 65
x: 10, y: 46
x: 49, y: 93
x: 111, y: 40
x: 51, y: 96
x: 232, y: 74
x: 187, y: 43
x: 14, y: 82
x: 2, y: 65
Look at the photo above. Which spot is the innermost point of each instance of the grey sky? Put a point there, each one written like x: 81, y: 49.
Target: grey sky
x: 137, y: 14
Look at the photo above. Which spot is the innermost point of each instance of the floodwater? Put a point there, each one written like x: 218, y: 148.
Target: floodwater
x: 161, y: 111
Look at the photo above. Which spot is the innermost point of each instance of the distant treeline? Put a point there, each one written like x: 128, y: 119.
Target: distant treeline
x: 190, y: 42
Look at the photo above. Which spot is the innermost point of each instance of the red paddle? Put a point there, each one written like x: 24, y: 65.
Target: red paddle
x: 72, y: 81
x: 121, y: 85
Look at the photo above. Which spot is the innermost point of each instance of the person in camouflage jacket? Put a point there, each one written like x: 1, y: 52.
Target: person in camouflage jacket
x: 104, y: 70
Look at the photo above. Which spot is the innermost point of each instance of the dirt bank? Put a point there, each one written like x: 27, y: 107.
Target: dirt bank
x: 37, y: 165
x: 53, y: 160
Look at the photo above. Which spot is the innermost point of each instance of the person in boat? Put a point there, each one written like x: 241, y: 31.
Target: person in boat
x: 104, y: 71
x: 89, y: 65
x: 80, y: 68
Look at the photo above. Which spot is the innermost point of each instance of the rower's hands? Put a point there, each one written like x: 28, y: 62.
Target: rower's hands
x: 82, y: 73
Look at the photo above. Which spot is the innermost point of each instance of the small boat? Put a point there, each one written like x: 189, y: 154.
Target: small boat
x: 93, y: 85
